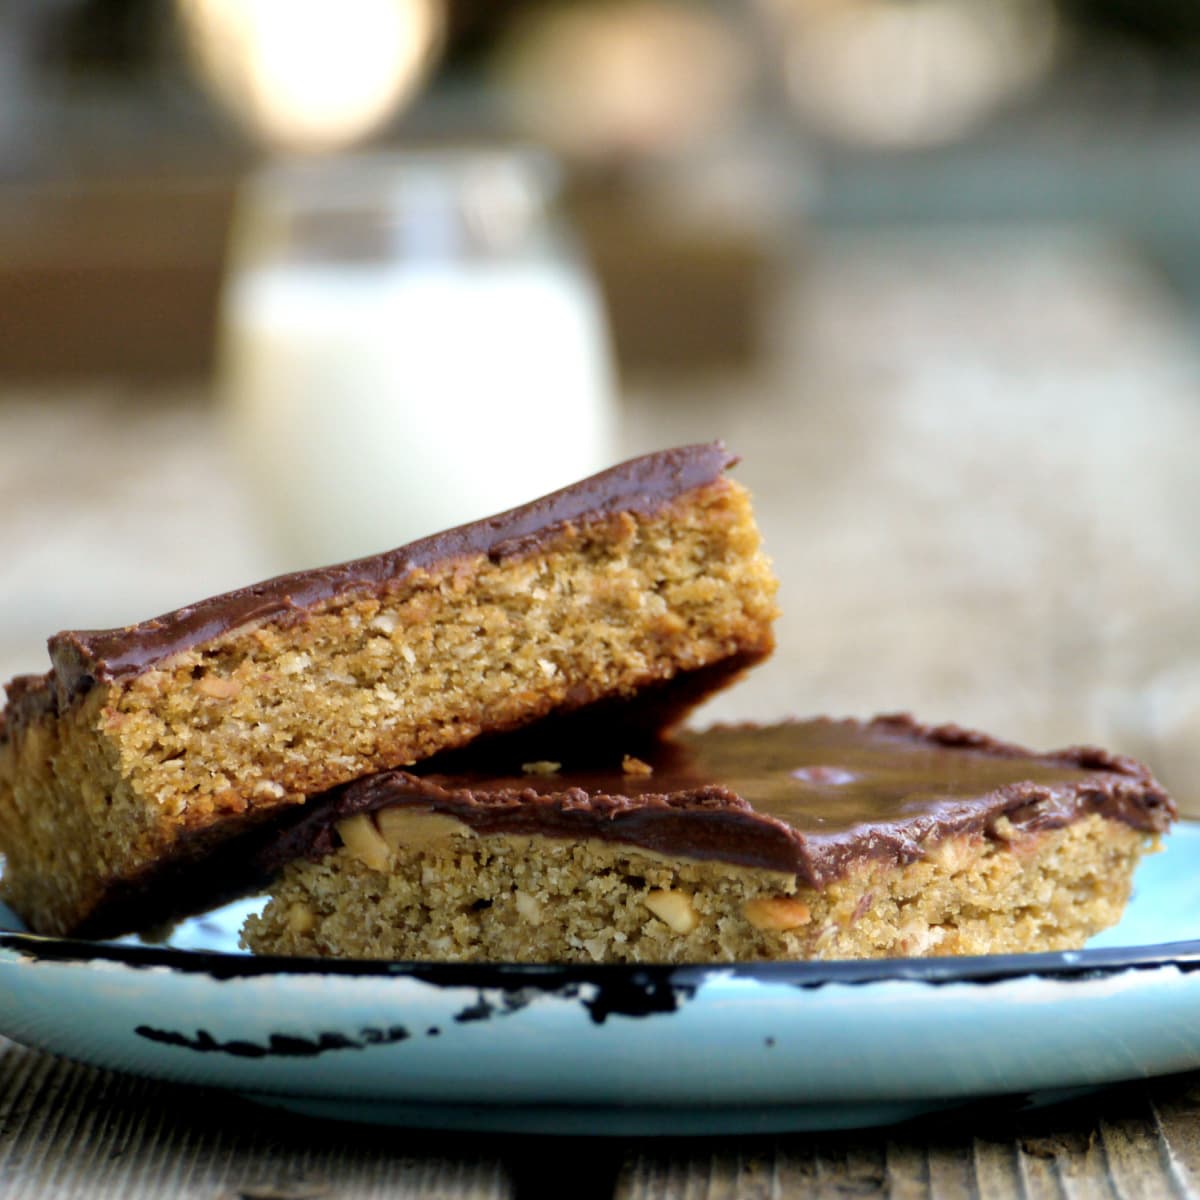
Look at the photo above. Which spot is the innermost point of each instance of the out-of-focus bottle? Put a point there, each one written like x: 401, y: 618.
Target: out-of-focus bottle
x: 408, y: 342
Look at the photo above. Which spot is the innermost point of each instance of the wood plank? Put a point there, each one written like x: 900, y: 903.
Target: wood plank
x: 995, y: 1165
x: 1176, y: 1106
x: 1137, y: 1163
x: 676, y: 1173
x: 72, y: 1131
x: 1138, y: 1141
x: 794, y: 1171
x: 907, y: 1168
x: 833, y: 1166
x: 849, y: 1165
x: 952, y: 1168
x: 1066, y: 1162
x: 749, y: 1169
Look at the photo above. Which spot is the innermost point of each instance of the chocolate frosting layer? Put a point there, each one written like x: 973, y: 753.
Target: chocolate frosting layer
x: 30, y: 696
x: 642, y: 485
x: 805, y: 797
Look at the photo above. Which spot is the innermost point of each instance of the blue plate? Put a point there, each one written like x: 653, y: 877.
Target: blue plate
x: 622, y: 1049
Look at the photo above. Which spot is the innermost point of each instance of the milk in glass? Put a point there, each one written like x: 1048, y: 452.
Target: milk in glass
x: 408, y: 344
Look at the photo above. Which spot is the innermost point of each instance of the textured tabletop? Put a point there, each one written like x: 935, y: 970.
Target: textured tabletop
x: 81, y: 1134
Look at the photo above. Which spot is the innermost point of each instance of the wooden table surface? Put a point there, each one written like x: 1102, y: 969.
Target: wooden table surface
x: 973, y: 456
x: 74, y: 1132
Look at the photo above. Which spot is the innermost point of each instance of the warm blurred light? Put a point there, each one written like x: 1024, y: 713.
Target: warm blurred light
x: 602, y: 80
x: 311, y: 74
x: 910, y: 72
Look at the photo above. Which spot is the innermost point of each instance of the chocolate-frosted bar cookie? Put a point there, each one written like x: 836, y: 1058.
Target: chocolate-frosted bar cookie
x: 812, y: 839
x: 145, y: 747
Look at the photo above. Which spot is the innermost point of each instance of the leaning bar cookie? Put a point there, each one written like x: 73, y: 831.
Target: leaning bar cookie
x: 815, y: 839
x: 149, y: 745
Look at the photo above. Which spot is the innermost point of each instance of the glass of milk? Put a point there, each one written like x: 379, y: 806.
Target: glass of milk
x: 408, y: 342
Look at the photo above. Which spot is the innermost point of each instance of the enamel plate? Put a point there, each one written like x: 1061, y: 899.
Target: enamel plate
x: 619, y: 1049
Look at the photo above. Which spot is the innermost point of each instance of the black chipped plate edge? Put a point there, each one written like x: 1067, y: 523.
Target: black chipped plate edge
x: 1068, y: 964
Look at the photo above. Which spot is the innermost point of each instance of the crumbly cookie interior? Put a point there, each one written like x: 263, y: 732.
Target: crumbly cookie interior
x: 414, y: 886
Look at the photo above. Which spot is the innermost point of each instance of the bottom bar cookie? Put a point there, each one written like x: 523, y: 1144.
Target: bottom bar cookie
x: 814, y: 839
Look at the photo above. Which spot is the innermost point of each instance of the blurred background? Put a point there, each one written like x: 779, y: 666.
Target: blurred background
x: 284, y: 282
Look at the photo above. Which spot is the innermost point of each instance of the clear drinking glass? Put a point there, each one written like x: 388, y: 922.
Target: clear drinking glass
x: 408, y: 342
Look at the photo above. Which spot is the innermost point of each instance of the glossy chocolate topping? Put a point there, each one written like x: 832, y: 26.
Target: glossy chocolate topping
x: 641, y: 485
x: 806, y: 797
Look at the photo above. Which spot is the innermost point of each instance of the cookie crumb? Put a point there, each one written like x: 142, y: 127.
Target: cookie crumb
x: 541, y: 767
x: 635, y: 766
